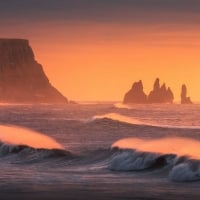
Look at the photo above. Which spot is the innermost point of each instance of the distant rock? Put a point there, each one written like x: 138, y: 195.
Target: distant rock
x: 135, y: 94
x: 22, y: 79
x: 160, y: 94
x: 184, y: 98
x: 157, y: 95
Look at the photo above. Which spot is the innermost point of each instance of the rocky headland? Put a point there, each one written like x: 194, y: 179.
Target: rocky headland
x: 22, y: 79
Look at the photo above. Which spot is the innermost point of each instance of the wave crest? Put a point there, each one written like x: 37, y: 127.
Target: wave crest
x: 180, y: 155
x: 130, y: 160
x: 186, y: 169
x: 30, y: 154
x: 134, y: 121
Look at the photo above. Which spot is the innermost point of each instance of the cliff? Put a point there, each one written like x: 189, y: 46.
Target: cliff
x: 184, y: 98
x: 22, y: 79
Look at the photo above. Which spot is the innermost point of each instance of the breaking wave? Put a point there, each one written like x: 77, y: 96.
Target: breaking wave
x: 28, y: 145
x: 180, y: 156
x: 180, y: 167
x: 6, y: 149
x: 27, y: 154
x: 130, y: 160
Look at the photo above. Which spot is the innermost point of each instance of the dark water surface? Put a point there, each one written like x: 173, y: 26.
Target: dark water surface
x: 87, y: 167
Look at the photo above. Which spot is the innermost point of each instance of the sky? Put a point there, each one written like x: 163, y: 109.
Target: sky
x: 93, y: 50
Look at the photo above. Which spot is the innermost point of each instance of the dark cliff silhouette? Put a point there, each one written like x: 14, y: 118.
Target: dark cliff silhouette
x: 22, y: 79
x: 184, y: 98
x: 157, y: 95
x: 136, y: 94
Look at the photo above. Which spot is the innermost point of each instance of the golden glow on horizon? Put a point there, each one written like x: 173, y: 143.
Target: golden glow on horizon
x: 101, y: 61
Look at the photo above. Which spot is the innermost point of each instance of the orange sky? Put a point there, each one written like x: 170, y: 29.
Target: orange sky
x: 95, y: 50
x: 101, y: 62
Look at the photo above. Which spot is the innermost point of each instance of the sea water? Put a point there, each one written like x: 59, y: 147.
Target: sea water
x: 100, y: 151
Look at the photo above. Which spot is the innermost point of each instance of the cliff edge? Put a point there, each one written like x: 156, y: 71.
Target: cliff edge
x: 22, y: 79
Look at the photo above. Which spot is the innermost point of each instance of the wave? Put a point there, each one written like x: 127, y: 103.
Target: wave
x: 181, y: 168
x: 29, y: 145
x: 134, y: 121
x: 27, y: 154
x: 120, y: 118
x: 130, y: 160
x: 186, y: 171
x: 180, y: 155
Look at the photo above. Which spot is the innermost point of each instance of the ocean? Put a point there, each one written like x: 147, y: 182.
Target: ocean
x: 100, y: 151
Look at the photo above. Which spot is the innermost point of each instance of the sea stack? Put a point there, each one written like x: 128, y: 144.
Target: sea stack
x: 184, y: 98
x: 135, y: 94
x: 160, y: 94
x: 22, y: 79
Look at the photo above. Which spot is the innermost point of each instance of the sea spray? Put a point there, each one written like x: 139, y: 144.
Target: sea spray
x: 22, y: 136
x: 174, y: 145
x: 180, y: 155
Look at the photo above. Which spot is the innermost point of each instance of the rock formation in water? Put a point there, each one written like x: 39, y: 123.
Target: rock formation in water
x: 184, y: 98
x: 136, y: 94
x: 22, y: 79
x: 160, y: 94
x: 157, y: 95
